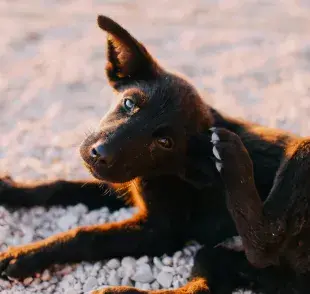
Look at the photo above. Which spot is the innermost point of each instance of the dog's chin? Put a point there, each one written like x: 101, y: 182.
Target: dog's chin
x: 110, y: 176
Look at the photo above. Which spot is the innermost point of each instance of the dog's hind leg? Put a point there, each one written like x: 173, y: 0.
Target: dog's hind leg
x: 227, y: 271
x: 62, y: 193
x: 222, y: 271
x: 196, y: 286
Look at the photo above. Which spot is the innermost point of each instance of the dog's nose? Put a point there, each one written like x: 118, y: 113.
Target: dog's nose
x: 99, y: 152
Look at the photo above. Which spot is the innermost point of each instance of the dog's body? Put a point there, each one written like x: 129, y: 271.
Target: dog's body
x: 157, y: 115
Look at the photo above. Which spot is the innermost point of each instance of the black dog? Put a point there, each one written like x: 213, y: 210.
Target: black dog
x: 149, y: 145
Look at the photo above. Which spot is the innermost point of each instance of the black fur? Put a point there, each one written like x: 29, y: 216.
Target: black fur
x: 150, y: 152
x: 274, y: 232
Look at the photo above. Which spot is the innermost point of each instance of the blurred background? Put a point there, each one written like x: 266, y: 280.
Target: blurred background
x: 249, y: 58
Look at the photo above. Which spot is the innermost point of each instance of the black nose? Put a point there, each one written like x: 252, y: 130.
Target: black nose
x: 99, y: 152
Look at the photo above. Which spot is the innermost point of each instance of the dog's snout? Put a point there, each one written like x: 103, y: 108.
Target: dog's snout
x: 99, y: 152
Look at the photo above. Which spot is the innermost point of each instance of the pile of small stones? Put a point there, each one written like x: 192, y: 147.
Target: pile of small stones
x: 24, y: 226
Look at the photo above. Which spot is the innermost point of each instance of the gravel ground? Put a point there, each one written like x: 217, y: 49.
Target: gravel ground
x: 38, y: 223
x: 251, y: 56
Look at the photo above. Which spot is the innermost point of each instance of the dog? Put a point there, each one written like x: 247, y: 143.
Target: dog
x: 149, y: 146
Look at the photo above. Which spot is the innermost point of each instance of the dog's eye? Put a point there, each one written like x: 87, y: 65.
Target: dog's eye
x: 129, y: 104
x: 165, y: 142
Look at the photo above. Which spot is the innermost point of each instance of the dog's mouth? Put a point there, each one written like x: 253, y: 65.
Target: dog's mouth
x: 110, y: 174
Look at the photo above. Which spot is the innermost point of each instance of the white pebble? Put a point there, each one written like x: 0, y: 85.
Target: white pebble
x: 4, y: 233
x: 168, y: 269
x: 167, y: 260
x: 79, y: 210
x: 27, y: 281
x: 157, y: 262
x: 176, y: 257
x: 46, y: 276
x: 181, y: 270
x: 66, y: 270
x: 155, y: 285
x: 187, y: 252
x: 143, y: 274
x: 77, y: 286
x: 194, y: 248
x: 4, y: 284
x: 146, y: 286
x: 102, y: 272
x: 38, y: 210
x: 129, y: 271
x: 176, y: 284
x: 121, y: 272
x: 102, y: 280
x: 128, y: 262
x: 138, y: 285
x: 142, y: 260
x: 87, y: 266
x: 126, y: 282
x: 51, y: 289
x: 64, y: 284
x: 113, y: 263
x: 71, y: 291
x: 90, y: 284
x: 156, y: 271
x: 164, y: 279
x: 67, y: 221
x: 113, y: 278
x: 182, y: 261
x: 97, y: 266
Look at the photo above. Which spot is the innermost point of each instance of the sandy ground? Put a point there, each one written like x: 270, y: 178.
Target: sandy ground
x: 251, y: 56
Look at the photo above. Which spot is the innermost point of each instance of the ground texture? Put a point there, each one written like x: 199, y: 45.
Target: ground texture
x: 251, y: 57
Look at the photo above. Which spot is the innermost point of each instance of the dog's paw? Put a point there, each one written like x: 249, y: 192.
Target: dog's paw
x: 235, y: 244
x: 230, y: 155
x: 18, y: 263
x: 215, y: 139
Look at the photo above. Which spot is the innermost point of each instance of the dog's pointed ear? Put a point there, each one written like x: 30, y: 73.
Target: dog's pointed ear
x: 128, y: 60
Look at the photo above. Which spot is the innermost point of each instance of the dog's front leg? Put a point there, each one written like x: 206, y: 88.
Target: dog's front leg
x: 59, y: 192
x: 262, y: 234
x: 134, y: 237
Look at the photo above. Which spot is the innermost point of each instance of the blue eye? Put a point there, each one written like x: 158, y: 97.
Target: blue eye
x: 129, y: 104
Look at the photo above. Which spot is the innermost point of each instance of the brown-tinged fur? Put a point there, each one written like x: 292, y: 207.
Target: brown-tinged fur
x: 151, y: 148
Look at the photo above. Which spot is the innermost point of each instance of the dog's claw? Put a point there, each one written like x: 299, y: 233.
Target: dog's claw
x: 218, y: 166
x: 216, y: 153
x: 214, y: 140
x: 214, y: 137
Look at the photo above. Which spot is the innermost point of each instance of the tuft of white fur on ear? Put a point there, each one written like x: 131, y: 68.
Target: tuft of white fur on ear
x: 216, y: 153
x: 218, y: 166
x: 234, y: 243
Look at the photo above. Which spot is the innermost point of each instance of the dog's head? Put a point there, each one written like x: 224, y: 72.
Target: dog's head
x: 155, y: 112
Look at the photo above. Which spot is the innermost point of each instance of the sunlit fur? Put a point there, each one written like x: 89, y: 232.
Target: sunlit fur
x: 179, y: 193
